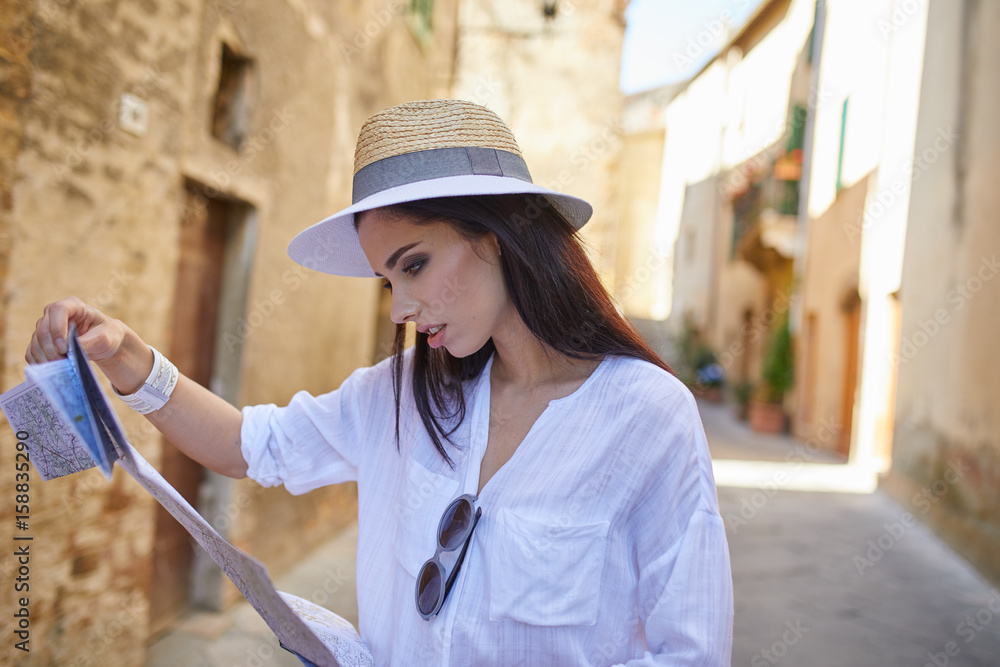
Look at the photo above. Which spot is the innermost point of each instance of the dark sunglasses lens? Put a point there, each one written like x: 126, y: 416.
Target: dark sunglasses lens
x: 429, y: 588
x: 455, y: 525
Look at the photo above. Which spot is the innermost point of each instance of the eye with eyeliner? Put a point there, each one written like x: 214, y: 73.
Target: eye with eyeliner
x: 412, y: 266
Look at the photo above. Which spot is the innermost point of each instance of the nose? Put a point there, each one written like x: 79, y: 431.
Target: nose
x: 403, y: 308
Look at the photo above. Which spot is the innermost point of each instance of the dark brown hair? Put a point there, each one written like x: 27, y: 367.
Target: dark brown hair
x: 551, y: 283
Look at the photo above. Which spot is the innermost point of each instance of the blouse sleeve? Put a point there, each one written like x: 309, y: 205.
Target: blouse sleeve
x: 682, y: 556
x: 317, y: 440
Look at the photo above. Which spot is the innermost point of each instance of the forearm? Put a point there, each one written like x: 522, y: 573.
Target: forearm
x: 196, y: 421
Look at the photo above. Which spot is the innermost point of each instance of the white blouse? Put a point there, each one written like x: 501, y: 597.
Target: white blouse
x: 600, y: 541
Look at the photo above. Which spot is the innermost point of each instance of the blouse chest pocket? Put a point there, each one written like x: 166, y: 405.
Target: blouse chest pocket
x: 423, y: 497
x: 543, y: 573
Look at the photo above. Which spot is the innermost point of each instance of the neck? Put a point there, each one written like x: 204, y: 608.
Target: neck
x: 525, y: 363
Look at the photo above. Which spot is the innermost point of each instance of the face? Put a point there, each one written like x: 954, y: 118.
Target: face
x: 452, y: 289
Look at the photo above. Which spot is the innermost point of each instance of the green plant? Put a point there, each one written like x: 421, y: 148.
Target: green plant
x: 778, y: 374
x: 742, y: 392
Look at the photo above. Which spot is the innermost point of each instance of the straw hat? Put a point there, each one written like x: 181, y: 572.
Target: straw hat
x: 420, y: 150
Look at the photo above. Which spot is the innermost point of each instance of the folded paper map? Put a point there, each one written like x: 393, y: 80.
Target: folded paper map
x: 72, y: 428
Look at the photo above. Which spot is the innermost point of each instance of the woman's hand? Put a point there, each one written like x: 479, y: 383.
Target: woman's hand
x: 198, y: 422
x: 100, y: 336
x: 115, y: 348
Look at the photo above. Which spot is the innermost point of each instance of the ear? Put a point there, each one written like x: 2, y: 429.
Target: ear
x: 493, y: 243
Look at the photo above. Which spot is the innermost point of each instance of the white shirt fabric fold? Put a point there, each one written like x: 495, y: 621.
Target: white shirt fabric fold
x: 600, y: 541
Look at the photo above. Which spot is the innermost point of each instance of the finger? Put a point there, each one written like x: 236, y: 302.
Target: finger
x: 43, y: 338
x: 35, y: 354
x: 59, y: 314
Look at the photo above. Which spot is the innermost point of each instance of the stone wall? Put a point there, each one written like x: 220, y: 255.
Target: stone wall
x: 90, y: 208
x: 554, y: 80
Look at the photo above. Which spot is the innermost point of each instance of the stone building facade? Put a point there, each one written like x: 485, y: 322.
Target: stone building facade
x: 550, y: 70
x: 156, y: 159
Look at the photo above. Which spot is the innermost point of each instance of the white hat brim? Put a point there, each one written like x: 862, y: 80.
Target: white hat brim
x: 332, y: 245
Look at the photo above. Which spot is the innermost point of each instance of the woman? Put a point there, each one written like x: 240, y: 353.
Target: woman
x: 534, y: 486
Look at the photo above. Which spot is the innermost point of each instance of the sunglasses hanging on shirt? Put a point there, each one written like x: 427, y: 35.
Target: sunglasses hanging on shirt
x: 454, y: 531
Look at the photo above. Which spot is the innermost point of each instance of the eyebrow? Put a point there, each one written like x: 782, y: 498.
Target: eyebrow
x: 394, y: 257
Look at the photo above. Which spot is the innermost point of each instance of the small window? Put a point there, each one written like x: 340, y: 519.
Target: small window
x: 231, y: 111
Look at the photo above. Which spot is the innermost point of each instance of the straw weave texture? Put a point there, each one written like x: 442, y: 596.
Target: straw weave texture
x: 428, y: 124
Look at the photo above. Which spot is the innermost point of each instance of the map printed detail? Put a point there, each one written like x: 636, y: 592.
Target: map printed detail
x: 55, y: 448
x: 72, y: 428
x: 336, y: 633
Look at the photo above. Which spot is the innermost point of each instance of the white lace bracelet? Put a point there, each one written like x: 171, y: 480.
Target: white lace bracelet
x: 155, y: 391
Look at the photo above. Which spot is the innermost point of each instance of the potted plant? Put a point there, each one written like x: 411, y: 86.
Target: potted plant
x: 777, y: 376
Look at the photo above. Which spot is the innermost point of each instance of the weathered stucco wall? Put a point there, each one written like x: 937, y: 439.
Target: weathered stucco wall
x: 946, y: 449
x: 90, y: 209
x: 554, y: 81
x: 92, y: 215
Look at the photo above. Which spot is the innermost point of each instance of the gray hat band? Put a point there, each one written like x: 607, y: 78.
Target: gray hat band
x: 434, y: 163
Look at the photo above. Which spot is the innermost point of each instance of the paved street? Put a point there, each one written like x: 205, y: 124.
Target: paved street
x: 822, y: 579
x: 840, y: 579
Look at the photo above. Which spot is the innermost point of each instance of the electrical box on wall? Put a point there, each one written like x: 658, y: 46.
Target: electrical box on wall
x: 133, y: 114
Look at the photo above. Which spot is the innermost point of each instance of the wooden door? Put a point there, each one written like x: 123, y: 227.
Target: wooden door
x: 196, y: 304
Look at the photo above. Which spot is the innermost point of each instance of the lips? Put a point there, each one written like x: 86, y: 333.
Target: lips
x: 435, y: 335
